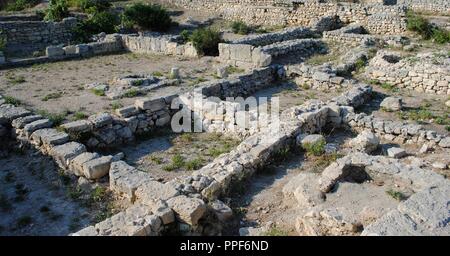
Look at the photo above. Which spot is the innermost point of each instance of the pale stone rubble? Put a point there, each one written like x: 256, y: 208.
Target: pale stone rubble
x: 426, y: 212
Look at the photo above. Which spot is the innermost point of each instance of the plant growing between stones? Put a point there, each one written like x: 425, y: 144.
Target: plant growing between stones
x: 11, y: 100
x: 399, y: 196
x: 55, y: 118
x: 239, y: 27
x: 315, y: 149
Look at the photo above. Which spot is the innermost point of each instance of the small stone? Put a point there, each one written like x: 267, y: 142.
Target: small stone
x: 222, y: 72
x: 223, y: 212
x: 366, y: 142
x: 97, y: 168
x: 396, y: 152
x: 174, y: 73
x: 188, y: 210
x: 439, y: 165
x: 391, y: 104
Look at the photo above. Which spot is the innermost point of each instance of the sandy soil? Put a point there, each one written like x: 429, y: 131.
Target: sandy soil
x: 67, y: 80
x: 35, y: 200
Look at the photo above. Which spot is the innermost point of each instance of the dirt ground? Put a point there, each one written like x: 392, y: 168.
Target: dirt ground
x: 174, y: 155
x: 36, y: 198
x: 56, y: 87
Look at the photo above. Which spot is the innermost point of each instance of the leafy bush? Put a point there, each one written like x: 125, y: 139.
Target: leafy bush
x: 315, y: 149
x: 152, y: 17
x: 19, y: 5
x: 57, y: 10
x: 206, y: 41
x: 441, y: 36
x: 240, y: 28
x: 96, y: 23
x: 426, y: 30
x: 92, y: 6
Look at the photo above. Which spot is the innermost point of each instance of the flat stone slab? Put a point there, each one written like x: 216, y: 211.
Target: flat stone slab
x: 393, y: 223
x: 125, y: 179
x: 97, y: 168
x: 152, y: 191
x: 9, y: 112
x: 38, y: 124
x: 137, y: 220
x: 64, y: 153
x: 152, y: 105
x: 77, y: 126
x: 50, y: 137
x: 188, y: 210
x: 445, y: 142
x: 396, y: 152
x: 100, y: 120
x: 76, y: 164
x: 127, y: 111
x: 20, y: 122
x: 430, y: 209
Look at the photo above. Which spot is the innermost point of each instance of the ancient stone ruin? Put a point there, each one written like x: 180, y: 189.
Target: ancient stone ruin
x: 324, y: 118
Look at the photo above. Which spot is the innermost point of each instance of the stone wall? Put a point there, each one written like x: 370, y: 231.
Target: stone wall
x: 25, y: 37
x: 396, y: 131
x: 433, y: 6
x: 330, y: 76
x: 149, y: 44
x: 147, y: 114
x: 352, y: 34
x: 187, y: 197
x: 249, y: 56
x: 156, y: 43
x: 424, y: 73
x: 378, y: 18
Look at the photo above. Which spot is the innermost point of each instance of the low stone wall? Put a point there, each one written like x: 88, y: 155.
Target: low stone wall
x: 105, y: 130
x: 113, y: 43
x: 187, y: 197
x: 396, y: 131
x: 379, y: 18
x: 427, y: 73
x: 275, y: 37
x: 352, y: 34
x: 25, y: 37
x: 432, y: 6
x: 156, y: 43
x: 250, y: 56
x: 328, y: 76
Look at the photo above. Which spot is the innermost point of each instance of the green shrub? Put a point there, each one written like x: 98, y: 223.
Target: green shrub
x: 57, y: 10
x: 11, y: 100
x: 185, y: 35
x: 315, y: 149
x: 20, y: 5
x: 147, y: 17
x: 240, y: 28
x: 92, y: 6
x: 440, y: 36
x: 426, y: 30
x: 97, y: 22
x: 55, y: 118
x: 399, y: 196
x: 206, y: 41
